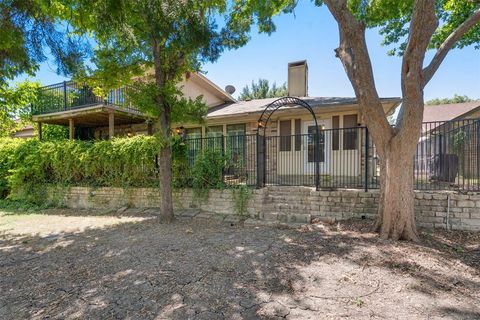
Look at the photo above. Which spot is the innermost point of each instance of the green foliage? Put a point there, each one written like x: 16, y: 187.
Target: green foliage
x: 456, y: 99
x: 15, y: 106
x: 30, y: 29
x: 207, y: 172
x: 392, y: 17
x: 241, y: 196
x: 135, y: 38
x: 27, y: 167
x: 52, y: 132
x: 262, y: 90
x: 181, y: 168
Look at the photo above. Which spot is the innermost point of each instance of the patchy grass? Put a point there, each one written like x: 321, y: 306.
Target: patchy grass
x: 92, y: 264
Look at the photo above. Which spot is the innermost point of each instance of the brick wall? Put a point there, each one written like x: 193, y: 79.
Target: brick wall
x: 437, y: 209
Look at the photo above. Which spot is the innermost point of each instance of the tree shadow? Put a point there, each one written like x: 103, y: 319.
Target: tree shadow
x: 198, y: 270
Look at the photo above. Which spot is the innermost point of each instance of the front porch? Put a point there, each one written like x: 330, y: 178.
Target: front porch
x: 78, y: 107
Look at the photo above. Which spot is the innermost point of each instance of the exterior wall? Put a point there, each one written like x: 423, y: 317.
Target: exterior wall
x: 433, y: 209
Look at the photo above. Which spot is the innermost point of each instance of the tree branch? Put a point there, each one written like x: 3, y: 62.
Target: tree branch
x: 448, y: 44
x: 353, y: 54
x: 423, y: 25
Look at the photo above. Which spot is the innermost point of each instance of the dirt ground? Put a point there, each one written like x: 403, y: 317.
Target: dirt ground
x: 66, y: 264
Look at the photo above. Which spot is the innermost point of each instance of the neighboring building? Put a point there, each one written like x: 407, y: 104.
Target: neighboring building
x: 25, y: 132
x: 452, y: 111
x: 449, y: 148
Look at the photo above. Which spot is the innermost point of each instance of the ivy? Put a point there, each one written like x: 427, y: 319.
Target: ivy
x: 241, y: 196
x: 27, y: 167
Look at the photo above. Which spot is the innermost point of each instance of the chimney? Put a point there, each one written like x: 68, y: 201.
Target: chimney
x: 298, y: 79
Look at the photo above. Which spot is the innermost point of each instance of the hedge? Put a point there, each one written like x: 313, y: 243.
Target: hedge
x: 28, y: 166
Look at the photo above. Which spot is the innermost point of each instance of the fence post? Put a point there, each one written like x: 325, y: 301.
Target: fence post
x: 64, y: 95
x: 260, y: 160
x: 223, y: 156
x: 367, y: 158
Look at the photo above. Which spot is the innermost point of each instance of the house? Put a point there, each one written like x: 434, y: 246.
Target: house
x: 449, y: 148
x: 290, y: 152
x: 91, y: 117
x: 25, y: 132
x: 289, y: 145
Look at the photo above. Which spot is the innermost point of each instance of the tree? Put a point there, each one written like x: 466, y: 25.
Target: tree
x: 30, y: 29
x: 15, y: 106
x: 413, y: 26
x: 456, y: 99
x: 262, y: 90
x: 152, y: 45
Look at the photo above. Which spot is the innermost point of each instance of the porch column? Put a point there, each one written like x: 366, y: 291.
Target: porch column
x: 72, y: 129
x: 111, y: 125
x: 40, y: 131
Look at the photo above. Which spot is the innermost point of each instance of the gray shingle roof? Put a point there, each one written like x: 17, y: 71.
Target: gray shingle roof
x: 258, y: 105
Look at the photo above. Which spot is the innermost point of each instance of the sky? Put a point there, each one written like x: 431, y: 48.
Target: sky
x: 311, y: 33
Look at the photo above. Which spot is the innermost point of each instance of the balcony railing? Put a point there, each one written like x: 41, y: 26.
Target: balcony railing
x: 70, y: 95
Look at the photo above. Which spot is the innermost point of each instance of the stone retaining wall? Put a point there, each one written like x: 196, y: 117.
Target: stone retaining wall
x: 440, y: 209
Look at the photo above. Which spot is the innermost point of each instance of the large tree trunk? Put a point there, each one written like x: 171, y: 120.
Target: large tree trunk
x: 165, y: 166
x: 165, y: 154
x: 396, y: 214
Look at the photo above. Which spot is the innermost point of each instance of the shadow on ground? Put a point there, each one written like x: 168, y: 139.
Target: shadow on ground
x: 203, y: 270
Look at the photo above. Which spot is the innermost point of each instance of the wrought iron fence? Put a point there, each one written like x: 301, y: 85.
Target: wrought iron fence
x: 447, y: 158
x: 70, y: 95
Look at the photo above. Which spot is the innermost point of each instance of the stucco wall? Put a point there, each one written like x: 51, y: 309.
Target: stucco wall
x: 433, y: 209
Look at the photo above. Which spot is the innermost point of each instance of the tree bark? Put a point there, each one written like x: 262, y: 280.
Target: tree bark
x: 396, y: 219
x: 165, y: 171
x: 165, y: 154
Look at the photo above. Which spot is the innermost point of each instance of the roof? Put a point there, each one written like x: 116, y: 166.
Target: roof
x: 257, y: 106
x: 225, y: 95
x: 446, y: 112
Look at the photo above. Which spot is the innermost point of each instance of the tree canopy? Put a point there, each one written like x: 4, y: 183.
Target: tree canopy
x: 151, y: 46
x: 15, y: 105
x: 455, y: 99
x: 261, y: 90
x: 30, y: 30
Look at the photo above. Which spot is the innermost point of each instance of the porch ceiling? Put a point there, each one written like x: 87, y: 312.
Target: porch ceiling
x: 93, y: 116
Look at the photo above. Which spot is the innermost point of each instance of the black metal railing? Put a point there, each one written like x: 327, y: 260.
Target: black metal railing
x: 447, y: 158
x: 69, y: 95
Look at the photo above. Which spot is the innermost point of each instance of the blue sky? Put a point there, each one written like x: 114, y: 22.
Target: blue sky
x: 311, y: 33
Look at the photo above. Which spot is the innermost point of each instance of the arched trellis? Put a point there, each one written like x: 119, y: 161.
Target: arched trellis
x: 261, y: 130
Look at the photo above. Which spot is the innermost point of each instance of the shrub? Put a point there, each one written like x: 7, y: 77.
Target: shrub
x: 28, y: 166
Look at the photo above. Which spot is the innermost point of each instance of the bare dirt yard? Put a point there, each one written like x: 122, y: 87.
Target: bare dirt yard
x: 64, y: 264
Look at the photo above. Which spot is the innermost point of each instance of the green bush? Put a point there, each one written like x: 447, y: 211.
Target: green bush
x: 208, y: 170
x: 27, y: 167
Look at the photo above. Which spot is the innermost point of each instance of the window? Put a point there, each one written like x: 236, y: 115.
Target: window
x: 236, y: 146
x: 193, y: 133
x: 214, y: 136
x: 298, y: 135
x: 336, y: 133
x: 194, y: 143
x: 285, y: 135
x: 350, y: 132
